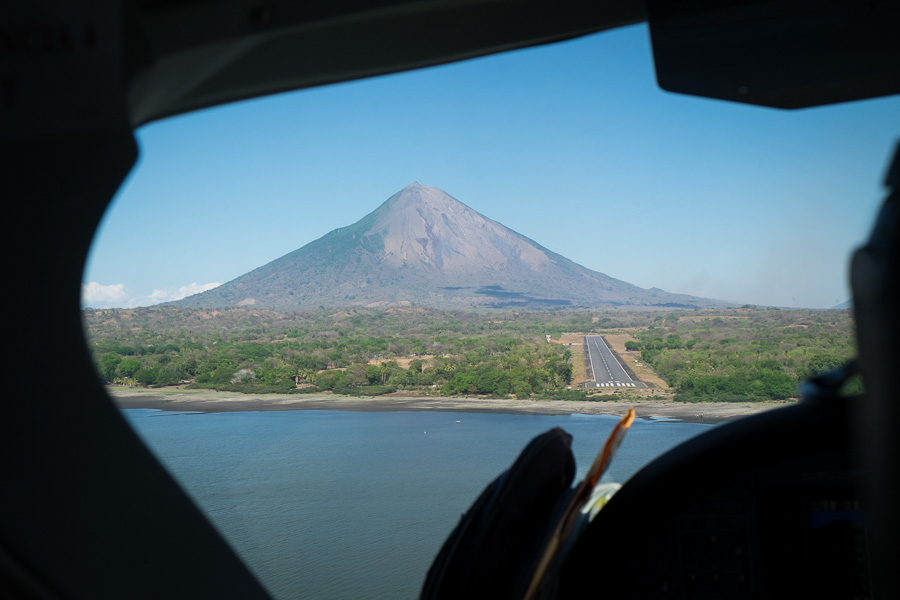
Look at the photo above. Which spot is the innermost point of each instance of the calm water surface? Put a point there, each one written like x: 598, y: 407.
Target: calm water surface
x: 330, y: 504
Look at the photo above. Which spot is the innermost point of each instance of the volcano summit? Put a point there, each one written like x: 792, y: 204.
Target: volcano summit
x: 424, y: 247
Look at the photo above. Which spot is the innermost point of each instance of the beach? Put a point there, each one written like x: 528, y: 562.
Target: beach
x: 212, y: 401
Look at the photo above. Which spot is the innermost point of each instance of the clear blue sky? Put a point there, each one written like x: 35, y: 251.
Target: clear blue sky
x: 572, y: 145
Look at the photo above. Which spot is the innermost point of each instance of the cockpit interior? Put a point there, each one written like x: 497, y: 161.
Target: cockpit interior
x: 801, y: 501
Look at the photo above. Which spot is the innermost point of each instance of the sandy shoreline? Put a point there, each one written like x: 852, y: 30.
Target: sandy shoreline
x: 212, y: 401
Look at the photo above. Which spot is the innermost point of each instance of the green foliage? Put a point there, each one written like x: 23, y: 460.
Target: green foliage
x: 147, y: 375
x: 748, y: 384
x: 756, y: 355
x: 674, y: 342
x: 107, y: 366
x: 128, y: 367
x: 735, y: 354
x: 218, y: 369
x: 496, y: 354
x: 332, y: 380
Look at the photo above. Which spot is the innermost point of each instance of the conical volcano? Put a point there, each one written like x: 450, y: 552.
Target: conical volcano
x: 424, y: 247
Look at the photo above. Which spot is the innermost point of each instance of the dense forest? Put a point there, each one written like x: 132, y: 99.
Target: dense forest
x: 752, y: 355
x: 731, y: 354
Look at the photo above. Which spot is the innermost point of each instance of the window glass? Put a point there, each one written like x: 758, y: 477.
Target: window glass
x: 336, y: 444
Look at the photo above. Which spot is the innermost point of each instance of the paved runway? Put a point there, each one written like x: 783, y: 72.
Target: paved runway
x: 603, y: 367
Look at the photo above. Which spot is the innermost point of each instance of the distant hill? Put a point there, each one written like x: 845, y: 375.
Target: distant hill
x: 844, y: 304
x: 423, y: 247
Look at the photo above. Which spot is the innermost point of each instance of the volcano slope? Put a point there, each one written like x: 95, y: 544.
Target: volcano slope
x: 423, y: 247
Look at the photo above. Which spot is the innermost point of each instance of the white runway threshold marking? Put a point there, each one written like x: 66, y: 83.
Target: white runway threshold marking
x: 608, y: 376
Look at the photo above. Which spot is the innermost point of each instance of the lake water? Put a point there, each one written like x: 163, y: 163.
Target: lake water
x: 330, y: 504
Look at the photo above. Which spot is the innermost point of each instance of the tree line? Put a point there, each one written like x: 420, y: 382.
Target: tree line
x: 746, y: 356
x: 724, y: 355
x: 346, y: 352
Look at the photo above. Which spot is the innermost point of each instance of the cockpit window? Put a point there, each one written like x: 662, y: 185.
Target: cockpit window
x: 337, y: 314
